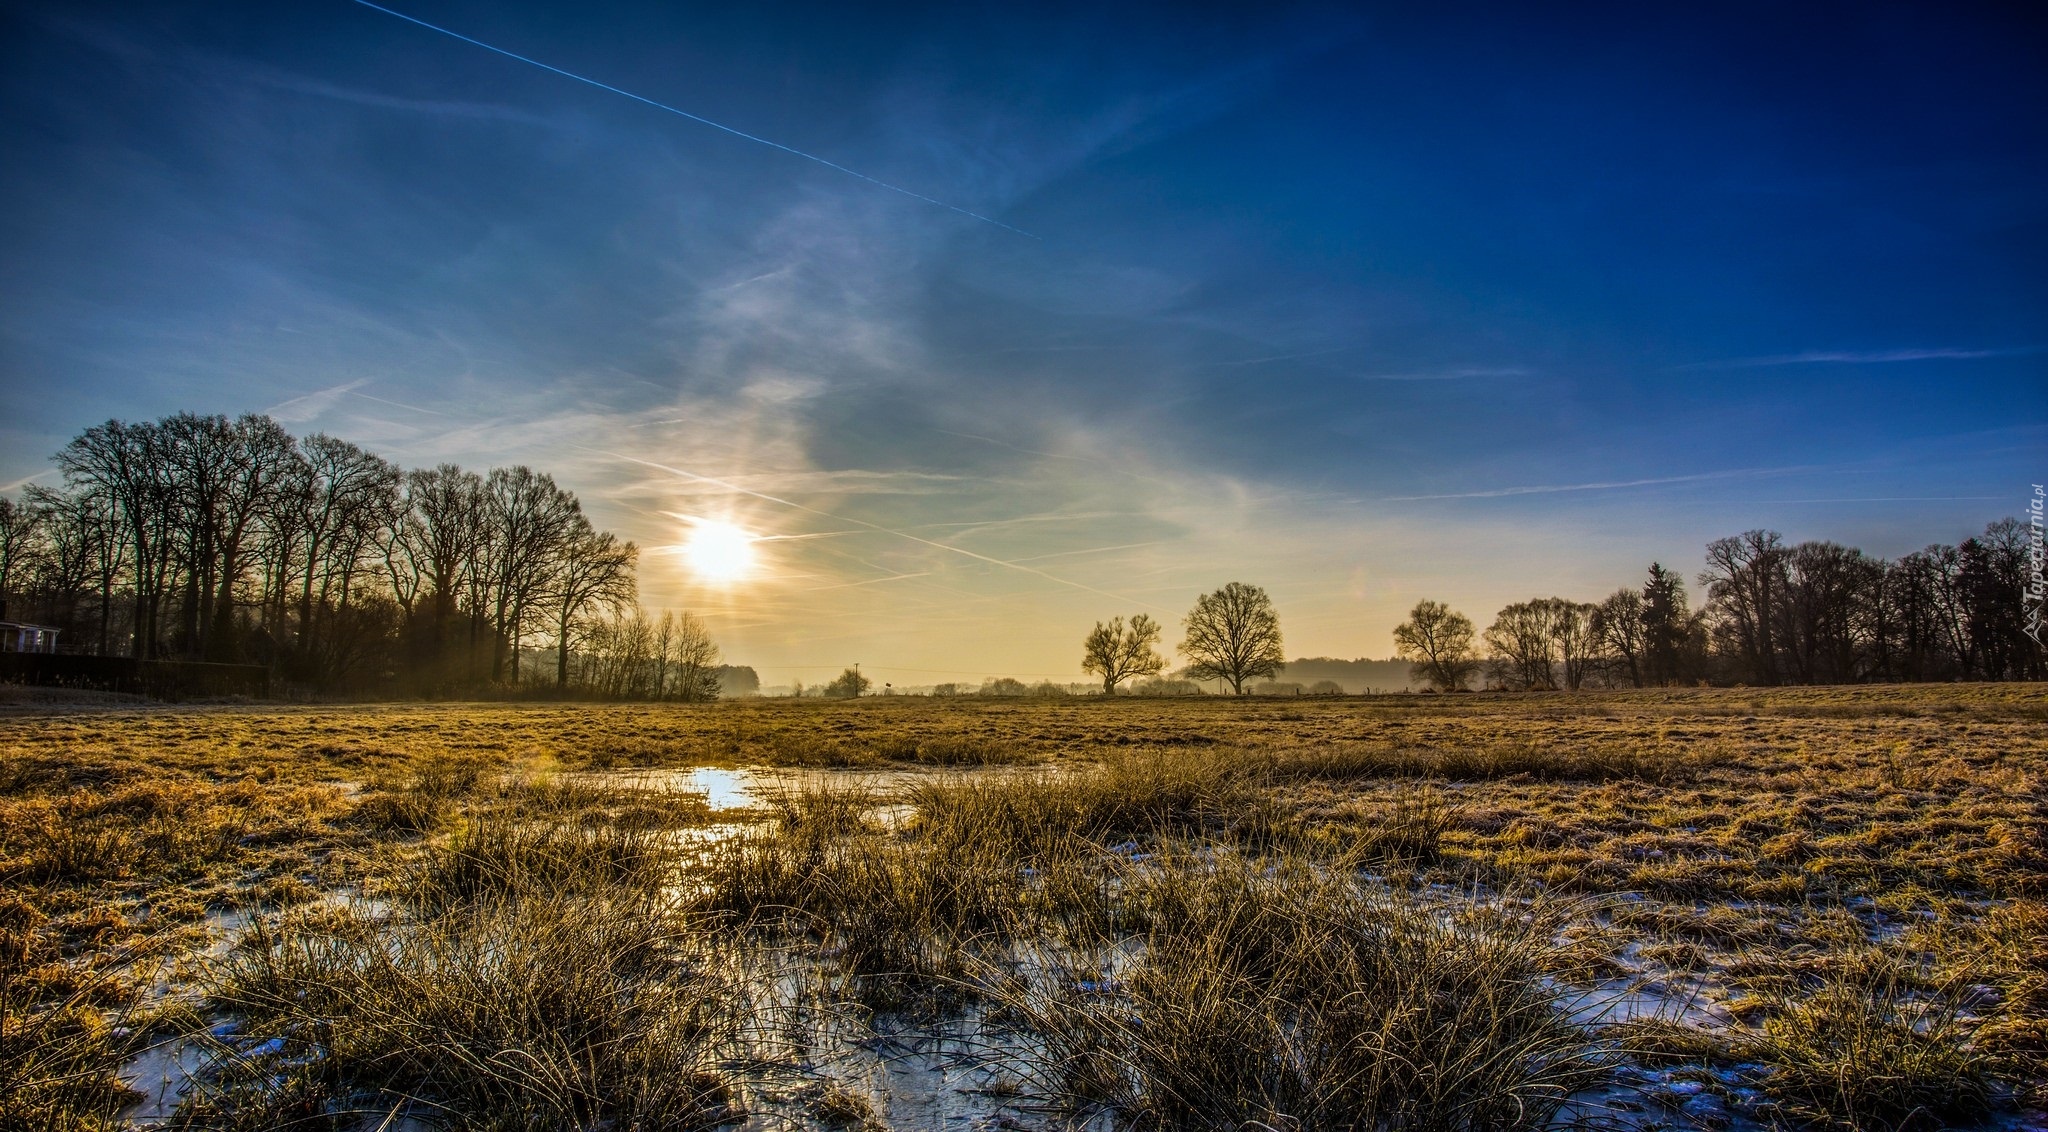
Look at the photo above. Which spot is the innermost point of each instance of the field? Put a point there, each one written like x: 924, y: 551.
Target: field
x: 1796, y: 908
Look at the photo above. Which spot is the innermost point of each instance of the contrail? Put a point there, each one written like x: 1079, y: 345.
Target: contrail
x: 697, y: 118
x: 730, y: 486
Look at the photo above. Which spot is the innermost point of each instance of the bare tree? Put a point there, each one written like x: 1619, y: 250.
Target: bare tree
x: 696, y: 660
x: 437, y: 562
x: 1117, y: 652
x: 592, y: 569
x: 618, y: 656
x: 130, y: 466
x: 1522, y: 647
x: 1745, y: 577
x: 84, y: 549
x: 1819, y: 619
x: 528, y: 520
x: 664, y: 647
x: 1437, y: 641
x: 1233, y: 635
x: 1618, y: 632
x: 349, y: 504
x: 226, y: 477
x: 1571, y: 636
x: 20, y: 531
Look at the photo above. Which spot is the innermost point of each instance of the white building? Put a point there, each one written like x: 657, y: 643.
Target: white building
x: 17, y: 636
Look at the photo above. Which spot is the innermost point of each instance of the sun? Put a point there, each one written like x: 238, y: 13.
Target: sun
x: 719, y: 552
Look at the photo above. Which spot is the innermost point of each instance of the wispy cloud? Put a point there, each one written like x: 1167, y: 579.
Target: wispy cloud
x: 1862, y: 357
x: 829, y: 164
x: 1456, y: 374
x: 17, y: 485
x: 299, y: 410
x: 1603, y: 485
x: 481, y: 111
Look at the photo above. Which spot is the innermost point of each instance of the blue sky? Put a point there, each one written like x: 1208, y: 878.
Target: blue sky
x: 1360, y: 304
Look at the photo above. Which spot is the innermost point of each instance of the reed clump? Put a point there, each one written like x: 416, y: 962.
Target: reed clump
x: 1274, y: 994
x: 423, y: 793
x: 507, y: 855
x: 1865, y: 1047
x: 546, y: 1012
x: 58, y: 1056
x: 882, y: 904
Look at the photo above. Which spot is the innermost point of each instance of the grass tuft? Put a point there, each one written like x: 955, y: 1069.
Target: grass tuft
x: 1276, y: 995
x: 547, y: 1012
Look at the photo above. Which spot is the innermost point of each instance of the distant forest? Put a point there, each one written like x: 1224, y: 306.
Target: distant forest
x: 1811, y: 613
x: 1317, y: 673
x: 207, y: 539
x: 200, y: 538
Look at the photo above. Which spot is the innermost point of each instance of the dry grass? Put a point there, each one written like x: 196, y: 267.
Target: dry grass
x: 1782, y: 847
x: 1274, y: 995
x: 542, y: 1012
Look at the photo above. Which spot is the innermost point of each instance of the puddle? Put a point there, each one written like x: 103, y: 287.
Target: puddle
x: 1679, y: 1001
x: 163, y: 1074
x: 723, y: 789
x: 733, y: 789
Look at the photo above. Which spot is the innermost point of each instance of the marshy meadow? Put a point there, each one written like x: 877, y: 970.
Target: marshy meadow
x: 1677, y: 909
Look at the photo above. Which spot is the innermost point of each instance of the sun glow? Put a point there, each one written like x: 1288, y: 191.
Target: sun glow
x: 719, y: 552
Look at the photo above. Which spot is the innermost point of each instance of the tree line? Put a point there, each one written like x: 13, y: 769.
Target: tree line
x: 229, y: 540
x: 1812, y: 613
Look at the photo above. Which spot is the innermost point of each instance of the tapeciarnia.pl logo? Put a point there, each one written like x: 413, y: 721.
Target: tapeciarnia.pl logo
x: 2037, y: 560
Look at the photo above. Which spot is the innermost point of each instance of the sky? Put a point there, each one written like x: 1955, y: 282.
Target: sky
x: 991, y: 321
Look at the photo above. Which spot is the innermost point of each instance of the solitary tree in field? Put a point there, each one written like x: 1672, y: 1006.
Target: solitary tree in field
x: 1233, y: 635
x: 1437, y: 640
x: 1117, y: 652
x: 848, y: 685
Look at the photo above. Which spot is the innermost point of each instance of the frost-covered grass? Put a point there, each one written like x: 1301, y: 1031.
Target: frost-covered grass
x: 1187, y: 913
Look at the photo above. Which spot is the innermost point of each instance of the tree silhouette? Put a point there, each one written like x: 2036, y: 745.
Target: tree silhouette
x: 1117, y: 652
x: 1437, y: 640
x: 848, y: 685
x: 1233, y: 635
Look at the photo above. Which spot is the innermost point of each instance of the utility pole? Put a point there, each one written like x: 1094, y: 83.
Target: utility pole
x: 856, y: 679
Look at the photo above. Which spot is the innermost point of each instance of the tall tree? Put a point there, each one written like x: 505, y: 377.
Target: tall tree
x: 1437, y: 641
x: 1667, y: 627
x: 849, y: 684
x: 1820, y: 618
x: 348, y: 503
x: 131, y: 466
x: 1572, y: 639
x: 1618, y: 630
x: 1522, y: 645
x: 695, y: 661
x: 592, y: 570
x: 20, y: 529
x: 1995, y: 583
x: 528, y: 521
x: 1233, y: 635
x: 84, y: 552
x: 1745, y: 581
x: 1116, y: 652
